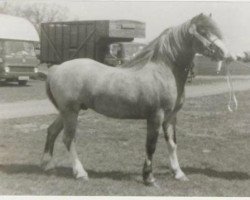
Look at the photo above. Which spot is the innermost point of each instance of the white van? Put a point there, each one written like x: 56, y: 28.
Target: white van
x: 18, y: 61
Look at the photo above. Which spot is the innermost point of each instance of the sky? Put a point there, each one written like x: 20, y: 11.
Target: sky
x: 232, y: 17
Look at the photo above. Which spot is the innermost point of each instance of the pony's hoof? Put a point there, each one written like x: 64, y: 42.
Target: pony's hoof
x: 47, y: 166
x: 152, y: 184
x: 43, y: 165
x: 182, y: 177
x: 84, y: 178
x: 47, y: 162
x: 81, y: 176
x: 150, y: 181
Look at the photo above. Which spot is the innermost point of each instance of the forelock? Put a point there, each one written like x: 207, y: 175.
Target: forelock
x: 205, y: 22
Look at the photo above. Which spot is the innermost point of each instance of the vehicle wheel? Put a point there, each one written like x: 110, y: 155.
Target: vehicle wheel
x: 22, y: 83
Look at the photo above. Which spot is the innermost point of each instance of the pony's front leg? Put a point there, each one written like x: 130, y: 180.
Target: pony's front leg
x: 170, y: 136
x: 154, y: 125
x: 70, y: 123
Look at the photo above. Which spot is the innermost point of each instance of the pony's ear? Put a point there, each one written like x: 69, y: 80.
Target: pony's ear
x: 199, y: 16
x: 192, y: 29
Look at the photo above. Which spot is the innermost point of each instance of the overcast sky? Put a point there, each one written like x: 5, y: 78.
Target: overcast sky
x: 232, y: 17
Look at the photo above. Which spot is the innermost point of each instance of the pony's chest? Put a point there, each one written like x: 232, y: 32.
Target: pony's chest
x: 169, y: 93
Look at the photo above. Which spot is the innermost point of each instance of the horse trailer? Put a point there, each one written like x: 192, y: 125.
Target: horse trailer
x: 62, y: 41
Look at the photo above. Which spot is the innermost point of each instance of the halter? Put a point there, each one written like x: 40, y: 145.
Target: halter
x: 208, y: 44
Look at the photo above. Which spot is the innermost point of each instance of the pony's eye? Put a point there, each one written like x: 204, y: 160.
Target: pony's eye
x: 204, y: 33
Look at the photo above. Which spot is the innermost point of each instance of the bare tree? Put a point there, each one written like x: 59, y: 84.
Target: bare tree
x: 37, y: 13
x: 4, y: 7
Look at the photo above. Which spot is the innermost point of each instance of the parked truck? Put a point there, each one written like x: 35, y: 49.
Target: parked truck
x: 107, y: 41
x: 18, y: 61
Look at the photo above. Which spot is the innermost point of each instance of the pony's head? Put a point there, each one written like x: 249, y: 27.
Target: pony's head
x: 207, y: 38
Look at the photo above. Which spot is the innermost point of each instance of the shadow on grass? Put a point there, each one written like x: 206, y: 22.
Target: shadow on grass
x: 64, y: 172
x: 35, y: 169
x: 229, y: 175
x: 115, y: 175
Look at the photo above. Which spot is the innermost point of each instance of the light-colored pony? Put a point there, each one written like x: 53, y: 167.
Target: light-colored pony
x: 149, y: 87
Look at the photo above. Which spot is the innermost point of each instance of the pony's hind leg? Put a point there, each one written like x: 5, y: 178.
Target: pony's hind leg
x: 154, y: 125
x: 170, y: 136
x: 53, y: 131
x: 69, y: 139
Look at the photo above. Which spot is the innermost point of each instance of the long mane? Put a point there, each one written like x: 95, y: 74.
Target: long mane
x: 146, y: 54
x: 171, y: 41
x: 168, y: 43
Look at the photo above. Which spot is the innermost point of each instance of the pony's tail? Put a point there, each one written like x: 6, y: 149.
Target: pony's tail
x: 50, y: 95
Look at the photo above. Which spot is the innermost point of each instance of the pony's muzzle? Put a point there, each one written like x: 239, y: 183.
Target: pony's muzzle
x: 221, y: 51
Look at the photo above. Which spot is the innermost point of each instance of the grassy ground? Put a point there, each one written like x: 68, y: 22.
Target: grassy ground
x: 214, y: 151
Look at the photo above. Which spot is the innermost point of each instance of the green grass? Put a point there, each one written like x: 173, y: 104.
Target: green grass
x: 213, y: 149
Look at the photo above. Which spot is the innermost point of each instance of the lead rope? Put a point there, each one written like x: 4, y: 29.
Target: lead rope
x: 232, y: 103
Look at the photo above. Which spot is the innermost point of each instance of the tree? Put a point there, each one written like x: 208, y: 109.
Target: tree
x: 37, y: 13
x: 3, y: 7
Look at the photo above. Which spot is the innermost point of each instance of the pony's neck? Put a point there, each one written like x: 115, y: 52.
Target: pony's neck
x: 175, y: 46
x: 175, y: 51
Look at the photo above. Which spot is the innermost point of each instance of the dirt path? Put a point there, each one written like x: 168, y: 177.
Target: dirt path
x: 44, y: 107
x: 215, y: 88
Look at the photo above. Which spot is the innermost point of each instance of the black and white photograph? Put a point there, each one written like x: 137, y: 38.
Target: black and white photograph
x: 96, y: 96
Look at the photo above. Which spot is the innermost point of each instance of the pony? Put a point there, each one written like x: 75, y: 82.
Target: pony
x: 151, y: 86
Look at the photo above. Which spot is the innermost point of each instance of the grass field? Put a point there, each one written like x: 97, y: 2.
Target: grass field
x: 213, y: 148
